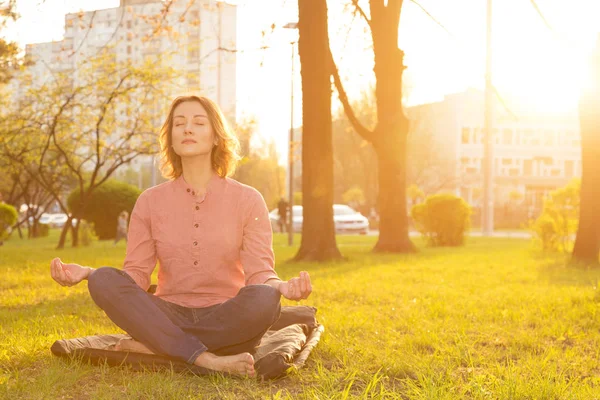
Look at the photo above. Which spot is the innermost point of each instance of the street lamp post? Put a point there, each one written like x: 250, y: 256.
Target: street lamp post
x: 290, y: 224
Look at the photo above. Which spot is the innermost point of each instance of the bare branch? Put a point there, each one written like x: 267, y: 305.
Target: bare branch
x: 361, y: 11
x: 87, y: 32
x: 432, y: 17
x: 356, y: 124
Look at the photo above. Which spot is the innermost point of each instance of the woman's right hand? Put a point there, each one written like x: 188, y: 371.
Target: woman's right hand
x: 68, y: 274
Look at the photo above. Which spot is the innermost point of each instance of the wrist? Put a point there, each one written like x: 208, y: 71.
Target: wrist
x: 274, y: 283
x: 89, y: 271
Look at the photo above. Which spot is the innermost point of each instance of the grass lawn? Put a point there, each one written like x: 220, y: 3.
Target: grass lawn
x: 493, y: 320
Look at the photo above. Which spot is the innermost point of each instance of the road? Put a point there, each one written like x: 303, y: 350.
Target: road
x: 498, y: 234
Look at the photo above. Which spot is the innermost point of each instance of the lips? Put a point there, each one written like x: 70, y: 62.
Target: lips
x: 190, y: 141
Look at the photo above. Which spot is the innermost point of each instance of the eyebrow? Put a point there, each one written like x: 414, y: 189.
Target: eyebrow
x: 195, y: 116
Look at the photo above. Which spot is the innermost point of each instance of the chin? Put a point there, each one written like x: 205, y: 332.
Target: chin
x: 193, y: 153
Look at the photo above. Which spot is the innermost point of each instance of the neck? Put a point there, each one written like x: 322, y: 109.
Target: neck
x: 197, y: 172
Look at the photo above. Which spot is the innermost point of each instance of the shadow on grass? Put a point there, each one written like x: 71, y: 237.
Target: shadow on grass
x: 561, y: 271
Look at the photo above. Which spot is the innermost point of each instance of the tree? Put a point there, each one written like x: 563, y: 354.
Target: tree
x: 587, y: 243
x: 389, y: 137
x: 10, y: 61
x: 86, y: 126
x: 318, y: 231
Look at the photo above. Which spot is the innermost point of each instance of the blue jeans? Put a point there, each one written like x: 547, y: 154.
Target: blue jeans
x: 233, y: 327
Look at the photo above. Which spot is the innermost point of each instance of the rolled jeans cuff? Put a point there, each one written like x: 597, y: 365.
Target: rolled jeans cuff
x: 195, y: 354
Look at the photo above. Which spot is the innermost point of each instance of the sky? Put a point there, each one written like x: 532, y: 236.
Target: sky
x: 536, y: 63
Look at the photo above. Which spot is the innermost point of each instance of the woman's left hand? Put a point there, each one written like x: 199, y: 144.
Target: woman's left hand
x: 296, y: 288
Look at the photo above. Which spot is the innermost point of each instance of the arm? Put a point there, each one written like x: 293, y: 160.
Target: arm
x: 140, y: 259
x: 257, y: 253
x: 139, y: 262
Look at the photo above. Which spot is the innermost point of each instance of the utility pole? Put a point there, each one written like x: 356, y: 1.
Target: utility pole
x: 487, y: 212
x: 291, y: 161
x: 290, y: 226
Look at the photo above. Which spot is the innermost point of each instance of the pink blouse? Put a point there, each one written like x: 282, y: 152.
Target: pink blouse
x: 208, y: 247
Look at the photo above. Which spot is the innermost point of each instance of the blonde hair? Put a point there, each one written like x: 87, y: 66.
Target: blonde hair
x: 225, y: 154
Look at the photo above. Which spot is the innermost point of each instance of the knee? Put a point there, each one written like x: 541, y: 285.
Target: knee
x: 266, y: 300
x: 100, y: 281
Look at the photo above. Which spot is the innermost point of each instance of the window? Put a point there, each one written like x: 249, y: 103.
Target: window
x: 506, y: 161
x: 128, y: 24
x: 507, y: 137
x: 128, y: 49
x: 528, y: 167
x: 466, y: 136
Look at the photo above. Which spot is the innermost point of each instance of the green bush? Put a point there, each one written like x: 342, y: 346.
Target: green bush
x: 556, y: 227
x: 105, y: 205
x: 443, y: 219
x: 86, y: 233
x: 8, y: 217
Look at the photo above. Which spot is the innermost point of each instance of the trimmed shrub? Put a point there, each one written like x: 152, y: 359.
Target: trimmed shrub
x: 556, y: 227
x: 105, y: 205
x: 443, y: 219
x: 86, y: 233
x: 8, y: 217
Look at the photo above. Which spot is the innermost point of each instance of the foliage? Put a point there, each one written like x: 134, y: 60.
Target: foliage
x: 354, y: 196
x: 8, y: 217
x: 414, y: 193
x: 103, y: 207
x: 86, y: 233
x: 443, y: 219
x: 82, y: 127
x: 260, y: 167
x: 297, y: 198
x: 556, y: 227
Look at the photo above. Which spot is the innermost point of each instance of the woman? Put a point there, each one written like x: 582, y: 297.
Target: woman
x: 217, y: 290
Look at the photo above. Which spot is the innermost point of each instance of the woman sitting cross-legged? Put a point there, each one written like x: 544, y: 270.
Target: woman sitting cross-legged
x: 217, y: 290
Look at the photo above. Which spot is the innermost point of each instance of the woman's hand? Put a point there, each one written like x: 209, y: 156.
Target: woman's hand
x: 68, y: 274
x: 296, y: 288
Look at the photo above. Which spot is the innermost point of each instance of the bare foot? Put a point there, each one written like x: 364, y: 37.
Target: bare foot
x: 239, y: 364
x: 132, y: 345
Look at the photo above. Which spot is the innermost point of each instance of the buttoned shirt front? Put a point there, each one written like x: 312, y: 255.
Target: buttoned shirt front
x: 208, y: 246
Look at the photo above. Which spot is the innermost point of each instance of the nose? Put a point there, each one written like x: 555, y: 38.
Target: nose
x: 188, y: 128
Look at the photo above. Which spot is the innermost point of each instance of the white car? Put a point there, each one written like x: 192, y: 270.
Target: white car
x: 346, y: 220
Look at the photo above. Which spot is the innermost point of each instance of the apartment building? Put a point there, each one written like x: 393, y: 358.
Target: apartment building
x: 193, y: 37
x: 533, y: 153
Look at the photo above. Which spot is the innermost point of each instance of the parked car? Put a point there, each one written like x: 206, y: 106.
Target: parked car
x: 345, y: 218
x: 54, y: 220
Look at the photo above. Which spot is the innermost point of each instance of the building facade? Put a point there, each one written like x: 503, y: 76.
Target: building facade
x: 533, y: 153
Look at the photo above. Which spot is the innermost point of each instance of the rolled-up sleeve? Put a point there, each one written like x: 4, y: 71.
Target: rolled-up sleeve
x: 257, y: 255
x: 140, y: 260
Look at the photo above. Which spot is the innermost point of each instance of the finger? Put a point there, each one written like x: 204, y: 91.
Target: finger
x: 308, y: 284
x: 62, y: 274
x: 54, y: 270
x: 294, y: 289
x: 302, y: 283
x: 70, y: 279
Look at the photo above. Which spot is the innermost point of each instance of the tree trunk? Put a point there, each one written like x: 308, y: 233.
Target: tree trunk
x: 587, y: 242
x: 63, y: 233
x: 393, y: 219
x: 390, y: 135
x: 318, y: 231
x: 75, y: 233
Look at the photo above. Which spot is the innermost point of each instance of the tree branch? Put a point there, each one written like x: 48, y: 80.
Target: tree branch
x: 356, y: 124
x: 361, y: 11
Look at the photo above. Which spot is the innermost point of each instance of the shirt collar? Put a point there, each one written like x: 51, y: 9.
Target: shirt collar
x: 213, y: 183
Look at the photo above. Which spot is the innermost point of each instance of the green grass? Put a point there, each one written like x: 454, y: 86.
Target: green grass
x: 493, y: 320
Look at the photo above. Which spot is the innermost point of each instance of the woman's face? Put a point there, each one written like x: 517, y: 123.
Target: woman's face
x: 192, y: 133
